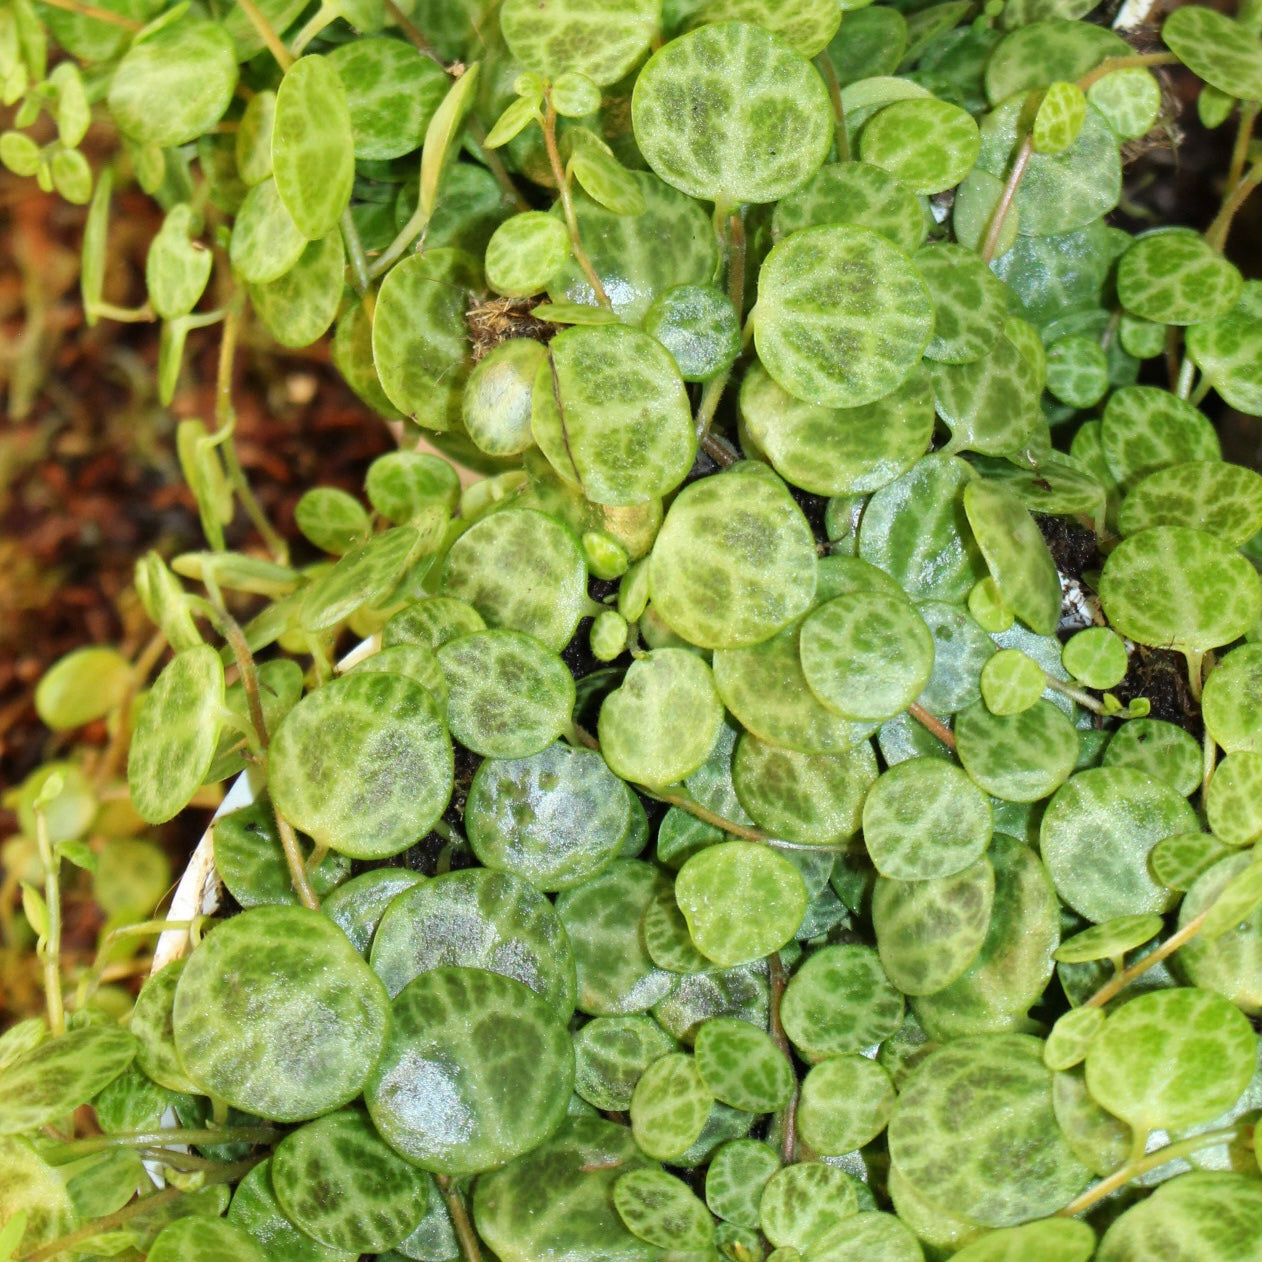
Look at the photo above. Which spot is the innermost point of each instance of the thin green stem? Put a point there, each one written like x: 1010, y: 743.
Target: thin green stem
x: 495, y: 164
x: 459, y: 1212
x: 266, y: 33
x: 293, y: 857
x: 230, y: 628
x: 99, y: 15
x: 567, y: 201
x: 825, y: 67
x: 784, y: 1123
x: 225, y: 418
x: 1006, y: 198
x: 158, y: 1139
x: 89, y: 982
x: 414, y: 227
x: 1209, y: 754
x: 52, y: 942
x: 932, y: 724
x: 125, y: 315
x: 355, y: 253
x: 1150, y: 1161
x: 321, y: 18
x: 1218, y: 230
x: 1084, y: 699
x: 224, y: 1174
x: 1176, y: 940
x: 413, y: 32
x: 1240, y: 149
x: 733, y: 241
x: 1196, y: 672
x: 1126, y: 61
x: 1187, y: 374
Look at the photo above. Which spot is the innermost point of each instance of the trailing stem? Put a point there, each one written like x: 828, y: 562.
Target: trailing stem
x: 51, y: 863
x: 932, y: 724
x: 1120, y: 980
x: 784, y: 1123
x: 99, y: 15
x: 158, y: 1139
x: 1006, y: 198
x: 732, y: 238
x: 265, y: 32
x: 825, y: 67
x: 293, y: 857
x: 459, y: 1218
x: 549, y: 124
x: 1136, y: 1166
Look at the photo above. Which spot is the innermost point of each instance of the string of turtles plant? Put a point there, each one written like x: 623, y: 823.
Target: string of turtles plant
x: 742, y: 836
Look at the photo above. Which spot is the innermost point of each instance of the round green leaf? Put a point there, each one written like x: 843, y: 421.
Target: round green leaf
x: 175, y: 84
x: 525, y: 252
x: 838, y: 451
x: 554, y: 818
x: 846, y: 1103
x: 176, y: 268
x: 1201, y: 1215
x: 1210, y: 495
x: 877, y: 1237
x: 477, y: 919
x: 734, y: 560
x: 1077, y: 371
x: 602, y: 917
x: 1130, y: 99
x: 602, y: 41
x: 1178, y: 861
x: 735, y: 1179
x: 610, y: 1054
x: 856, y: 193
x: 276, y: 1013
x: 915, y: 529
x: 476, y: 1070
x: 523, y: 570
x: 741, y: 1066
x: 1228, y: 351
x: 1176, y: 587
x: 204, y: 1239
x: 969, y: 303
x: 1097, y: 833
x: 256, y: 1209
x: 313, y: 149
x: 1059, y: 117
x: 1018, y: 558
x: 713, y: 109
x: 1223, y: 52
x: 929, y: 145
x: 1018, y: 757
x: 1096, y: 656
x: 1232, y: 803
x: 356, y: 906
x: 842, y: 315
x: 662, y: 1210
x: 1226, y: 962
x: 1011, y: 682
x: 1113, y: 938
x: 1047, y: 1240
x: 866, y: 656
x: 741, y: 900
x: 497, y: 397
x: 1040, y: 52
x: 698, y: 326
x: 813, y: 799
x: 1172, y: 1058
x: 420, y: 344
x: 802, y: 1201
x: 929, y: 931
x: 1160, y: 750
x: 151, y: 1024
x: 669, y: 1106
x: 924, y: 819
x: 1176, y: 277
x: 176, y: 734
x: 403, y: 484
x: 1232, y: 700
x: 663, y: 720
x: 558, y: 1200
x: 840, y: 1002
x: 337, y: 1181
x: 965, y: 1115
x: 298, y: 307
x: 392, y: 91
x: 364, y: 764
x: 83, y: 685
x: 806, y: 25
x: 265, y: 243
x: 509, y: 696
x: 1145, y: 429
x: 56, y: 1076
x: 610, y: 413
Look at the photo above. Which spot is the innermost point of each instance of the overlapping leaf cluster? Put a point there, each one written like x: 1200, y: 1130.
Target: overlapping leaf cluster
x: 739, y: 834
